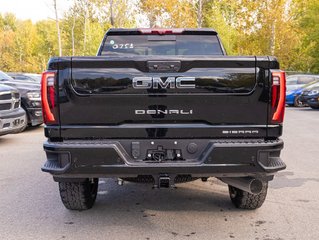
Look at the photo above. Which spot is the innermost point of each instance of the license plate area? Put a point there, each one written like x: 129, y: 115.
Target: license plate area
x: 163, y: 155
x: 164, y: 150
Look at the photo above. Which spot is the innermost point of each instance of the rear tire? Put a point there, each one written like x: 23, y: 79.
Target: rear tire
x: 245, y: 200
x: 79, y: 195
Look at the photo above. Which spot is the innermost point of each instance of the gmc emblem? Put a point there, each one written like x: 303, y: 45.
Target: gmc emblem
x: 157, y: 82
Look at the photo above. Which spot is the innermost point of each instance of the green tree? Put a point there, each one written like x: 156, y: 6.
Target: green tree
x: 310, y: 25
x: 167, y: 13
x: 261, y: 27
x: 7, y: 42
x: 47, y: 44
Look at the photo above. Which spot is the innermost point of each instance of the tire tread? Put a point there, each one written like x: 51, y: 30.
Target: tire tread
x: 77, y: 195
x: 246, y: 200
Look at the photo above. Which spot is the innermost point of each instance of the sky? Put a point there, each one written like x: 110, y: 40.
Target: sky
x: 33, y: 9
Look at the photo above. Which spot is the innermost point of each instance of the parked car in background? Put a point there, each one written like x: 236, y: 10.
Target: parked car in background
x: 30, y: 97
x: 310, y: 96
x: 295, y: 85
x: 12, y: 116
x: 25, y: 76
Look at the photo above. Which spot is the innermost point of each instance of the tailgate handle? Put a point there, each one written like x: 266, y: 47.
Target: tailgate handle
x: 161, y: 66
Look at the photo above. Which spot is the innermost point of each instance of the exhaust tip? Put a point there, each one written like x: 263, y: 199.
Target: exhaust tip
x: 248, y: 184
x: 256, y: 186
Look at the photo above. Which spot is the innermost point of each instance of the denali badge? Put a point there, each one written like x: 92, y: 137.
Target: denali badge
x: 157, y: 82
x: 165, y: 112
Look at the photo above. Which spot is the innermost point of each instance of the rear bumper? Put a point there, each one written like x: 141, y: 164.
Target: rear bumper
x: 218, y: 158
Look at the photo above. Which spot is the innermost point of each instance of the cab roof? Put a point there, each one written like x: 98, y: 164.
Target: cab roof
x: 161, y: 31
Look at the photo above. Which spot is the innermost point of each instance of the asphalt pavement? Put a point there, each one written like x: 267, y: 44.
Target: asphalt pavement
x: 30, y: 206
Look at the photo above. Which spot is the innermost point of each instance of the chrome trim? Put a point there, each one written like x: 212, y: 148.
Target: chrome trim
x: 22, y: 121
x: 13, y: 100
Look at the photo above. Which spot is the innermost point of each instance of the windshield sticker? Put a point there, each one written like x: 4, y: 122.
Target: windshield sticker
x: 121, y: 45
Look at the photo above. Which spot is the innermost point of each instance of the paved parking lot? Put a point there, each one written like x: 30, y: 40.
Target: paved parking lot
x: 30, y: 206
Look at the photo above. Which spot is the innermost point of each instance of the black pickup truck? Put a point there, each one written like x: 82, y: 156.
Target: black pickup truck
x: 163, y: 106
x: 30, y: 97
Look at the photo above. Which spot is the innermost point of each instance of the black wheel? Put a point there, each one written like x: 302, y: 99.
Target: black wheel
x: 79, y: 195
x: 27, y: 119
x: 298, y: 103
x: 314, y: 107
x: 245, y: 200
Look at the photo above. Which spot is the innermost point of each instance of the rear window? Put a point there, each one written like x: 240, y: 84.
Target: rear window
x: 21, y: 77
x: 161, y: 45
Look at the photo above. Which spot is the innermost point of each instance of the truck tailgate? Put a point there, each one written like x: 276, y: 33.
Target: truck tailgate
x: 227, y: 97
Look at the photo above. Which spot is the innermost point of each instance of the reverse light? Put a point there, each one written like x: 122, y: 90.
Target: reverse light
x: 278, y: 95
x: 48, y: 96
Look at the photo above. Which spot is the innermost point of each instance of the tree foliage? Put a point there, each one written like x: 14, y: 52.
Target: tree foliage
x: 168, y: 13
x: 310, y: 25
x: 288, y: 29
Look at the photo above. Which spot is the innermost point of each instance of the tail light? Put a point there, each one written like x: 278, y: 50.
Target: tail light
x: 48, y: 96
x: 160, y: 31
x: 278, y: 95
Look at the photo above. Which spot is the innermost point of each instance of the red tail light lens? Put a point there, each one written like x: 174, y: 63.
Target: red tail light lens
x: 48, y: 96
x: 278, y: 95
